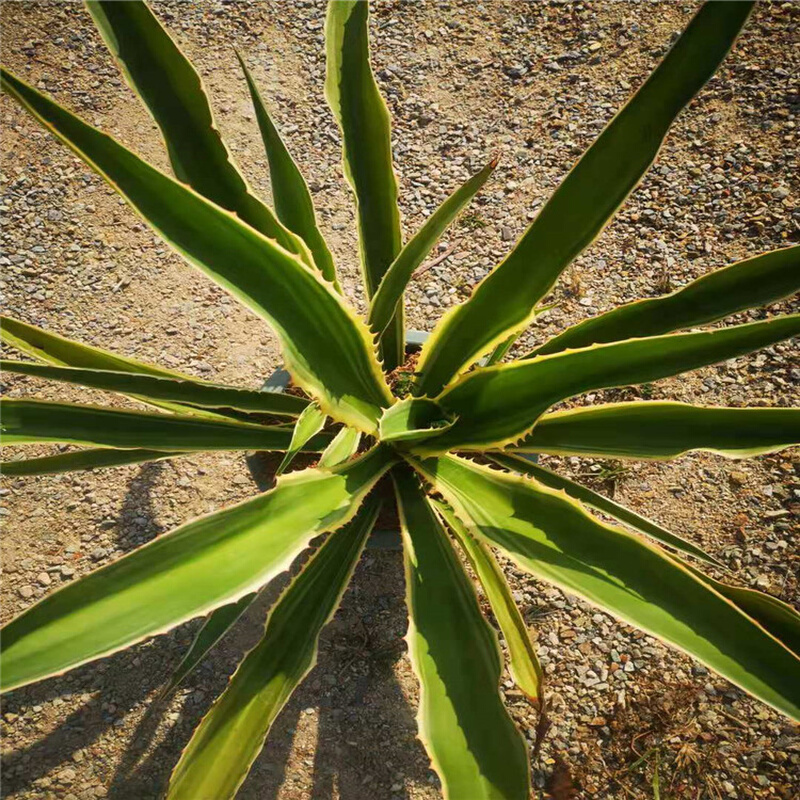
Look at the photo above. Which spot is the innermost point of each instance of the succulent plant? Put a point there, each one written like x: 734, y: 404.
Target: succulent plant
x: 455, y: 446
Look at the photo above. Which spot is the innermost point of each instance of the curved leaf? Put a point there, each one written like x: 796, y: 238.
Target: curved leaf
x: 82, y: 460
x: 473, y: 744
x: 364, y: 120
x: 554, y: 539
x: 225, y: 744
x: 499, y: 352
x: 655, y: 429
x: 217, y: 624
x: 325, y: 346
x: 411, y: 419
x: 343, y: 447
x: 746, y: 284
x: 308, y: 425
x: 600, y: 503
x: 60, y: 351
x: 34, y: 421
x: 523, y: 664
x: 390, y: 291
x: 495, y: 406
x: 188, y: 572
x: 584, y: 202
x: 293, y: 203
x: 152, y: 387
x: 156, y: 69
x: 779, y: 618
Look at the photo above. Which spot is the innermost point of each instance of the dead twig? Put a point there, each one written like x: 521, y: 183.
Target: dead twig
x: 542, y: 727
x: 438, y: 260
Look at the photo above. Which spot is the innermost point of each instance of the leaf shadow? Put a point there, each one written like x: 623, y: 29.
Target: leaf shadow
x: 108, y: 690
x: 365, y: 741
x: 136, y: 520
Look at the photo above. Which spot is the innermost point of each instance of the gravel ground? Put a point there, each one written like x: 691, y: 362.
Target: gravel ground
x: 535, y: 83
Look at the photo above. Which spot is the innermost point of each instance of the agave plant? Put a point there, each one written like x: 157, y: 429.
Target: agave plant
x: 456, y: 446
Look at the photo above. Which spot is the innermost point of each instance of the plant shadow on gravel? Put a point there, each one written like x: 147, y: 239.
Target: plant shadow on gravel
x: 362, y: 735
x: 114, y: 686
x: 365, y: 740
x: 365, y: 733
x: 136, y: 522
x: 111, y: 687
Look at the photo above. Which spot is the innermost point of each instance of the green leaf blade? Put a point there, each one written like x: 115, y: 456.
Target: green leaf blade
x: 600, y: 503
x: 584, y: 202
x: 363, y: 118
x: 60, y: 351
x: 216, y: 625
x: 308, y: 425
x: 746, y: 284
x: 326, y: 348
x: 523, y: 663
x: 661, y: 430
x: 411, y: 419
x: 496, y: 406
x: 82, y: 460
x: 212, y: 561
x: 218, y: 757
x: 473, y: 743
x: 172, y: 91
x: 777, y: 617
x: 556, y: 540
x: 152, y: 387
x: 343, y: 447
x: 293, y: 203
x: 63, y: 352
x: 39, y: 421
x: 390, y: 291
